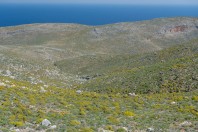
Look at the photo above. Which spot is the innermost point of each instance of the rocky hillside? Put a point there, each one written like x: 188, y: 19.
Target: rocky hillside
x: 124, y: 77
x: 27, y: 107
x: 65, y: 53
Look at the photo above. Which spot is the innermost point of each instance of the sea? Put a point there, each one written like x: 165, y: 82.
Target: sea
x: 17, y: 14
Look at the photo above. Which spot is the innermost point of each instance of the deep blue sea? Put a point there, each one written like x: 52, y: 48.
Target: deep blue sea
x: 17, y: 14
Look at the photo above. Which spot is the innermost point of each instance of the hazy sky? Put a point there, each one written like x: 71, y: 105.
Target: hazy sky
x: 169, y: 2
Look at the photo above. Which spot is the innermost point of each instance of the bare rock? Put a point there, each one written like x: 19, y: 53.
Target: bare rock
x: 132, y: 94
x: 186, y: 123
x: 173, y: 103
x: 78, y: 91
x: 43, y: 90
x: 45, y: 122
x: 180, y: 28
x: 150, y: 129
x: 53, y: 127
x: 2, y: 84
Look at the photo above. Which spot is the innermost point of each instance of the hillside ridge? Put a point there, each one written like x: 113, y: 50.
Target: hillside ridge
x: 123, y: 77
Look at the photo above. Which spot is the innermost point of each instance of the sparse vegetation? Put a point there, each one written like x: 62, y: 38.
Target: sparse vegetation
x: 87, y: 82
x: 27, y: 107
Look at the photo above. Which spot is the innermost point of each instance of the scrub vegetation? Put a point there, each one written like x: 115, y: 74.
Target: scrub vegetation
x: 136, y: 77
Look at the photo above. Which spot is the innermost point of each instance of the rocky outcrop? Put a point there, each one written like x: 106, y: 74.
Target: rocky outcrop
x: 180, y: 28
x: 175, y: 29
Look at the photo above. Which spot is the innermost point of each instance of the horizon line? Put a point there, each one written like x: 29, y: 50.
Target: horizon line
x: 99, y: 3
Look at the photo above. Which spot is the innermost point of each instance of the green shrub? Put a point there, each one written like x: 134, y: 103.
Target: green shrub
x: 129, y: 113
x: 74, y: 123
x: 108, y: 127
x: 17, y: 124
x: 195, y: 98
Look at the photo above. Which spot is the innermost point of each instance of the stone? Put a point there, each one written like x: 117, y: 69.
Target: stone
x: 7, y: 81
x: 2, y: 84
x: 186, y: 123
x: 125, y: 129
x: 13, y: 85
x: 173, y: 103
x: 53, y: 127
x: 45, y: 122
x: 86, y: 77
x: 132, y: 94
x: 42, y: 90
x: 122, y: 129
x: 46, y: 86
x: 13, y: 77
x: 150, y: 129
x: 78, y: 91
x: 17, y: 130
x: 23, y: 87
x: 8, y: 73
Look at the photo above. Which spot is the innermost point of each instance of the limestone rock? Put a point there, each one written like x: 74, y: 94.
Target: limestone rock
x: 173, y: 103
x: 186, y: 123
x: 78, y: 91
x: 132, y: 94
x: 150, y: 129
x: 45, y: 122
x: 53, y: 127
x: 2, y: 84
x: 42, y: 90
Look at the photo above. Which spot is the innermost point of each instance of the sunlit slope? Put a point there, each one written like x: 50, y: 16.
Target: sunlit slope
x: 24, y: 106
x: 170, y: 70
x: 61, y: 54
